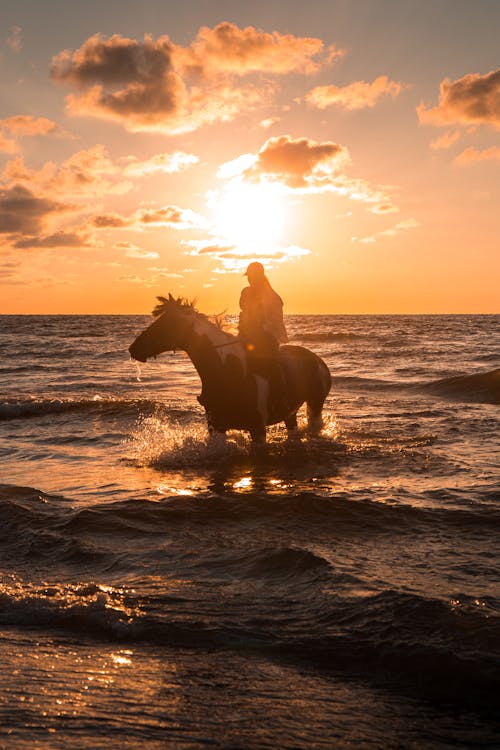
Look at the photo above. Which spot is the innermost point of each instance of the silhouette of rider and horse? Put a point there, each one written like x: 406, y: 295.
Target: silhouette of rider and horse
x: 248, y: 381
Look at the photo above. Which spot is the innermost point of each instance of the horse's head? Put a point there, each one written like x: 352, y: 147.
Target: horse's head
x: 168, y: 332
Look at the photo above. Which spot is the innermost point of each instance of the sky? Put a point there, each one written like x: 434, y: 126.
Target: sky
x: 155, y: 147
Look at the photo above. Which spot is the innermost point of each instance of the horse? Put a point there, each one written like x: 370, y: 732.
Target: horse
x: 236, y: 395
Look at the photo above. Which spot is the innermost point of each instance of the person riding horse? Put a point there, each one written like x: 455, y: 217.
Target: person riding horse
x: 261, y: 329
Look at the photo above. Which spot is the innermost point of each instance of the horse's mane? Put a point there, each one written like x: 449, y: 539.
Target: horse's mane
x: 167, y: 303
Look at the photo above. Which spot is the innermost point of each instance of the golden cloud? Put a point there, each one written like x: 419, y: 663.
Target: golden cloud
x: 156, y: 85
x: 133, y: 251
x: 401, y: 226
x: 33, y: 201
x: 357, y: 95
x: 473, y: 99
x: 472, y: 155
x: 446, y: 140
x: 232, y: 259
x: 171, y: 217
x: 7, y: 145
x: 229, y: 49
x: 22, y: 125
x: 84, y: 173
x: 296, y: 163
x: 166, y: 163
x: 301, y: 165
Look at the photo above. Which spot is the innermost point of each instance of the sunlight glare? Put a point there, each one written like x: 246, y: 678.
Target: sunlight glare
x: 251, y: 217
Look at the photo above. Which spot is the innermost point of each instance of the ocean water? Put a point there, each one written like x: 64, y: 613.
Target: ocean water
x: 160, y: 590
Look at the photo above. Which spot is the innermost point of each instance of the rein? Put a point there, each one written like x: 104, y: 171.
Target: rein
x: 227, y: 343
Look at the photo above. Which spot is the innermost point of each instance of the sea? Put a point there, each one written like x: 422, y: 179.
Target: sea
x: 161, y: 590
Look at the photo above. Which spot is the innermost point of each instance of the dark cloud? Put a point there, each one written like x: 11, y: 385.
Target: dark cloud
x: 58, y: 239
x: 473, y: 99
x: 23, y: 212
x: 128, y: 79
x: 150, y: 218
x: 155, y: 84
x: 302, y: 165
x: 296, y: 159
x: 110, y: 221
x: 297, y: 163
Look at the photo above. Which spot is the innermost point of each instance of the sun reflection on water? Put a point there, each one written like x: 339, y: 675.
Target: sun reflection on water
x: 245, y: 483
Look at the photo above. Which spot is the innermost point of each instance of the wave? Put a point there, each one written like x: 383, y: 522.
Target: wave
x: 339, y: 336
x: 361, y: 383
x: 41, y: 528
x: 28, y: 368
x: 39, y: 407
x: 483, y: 387
x: 451, y: 644
x: 479, y: 387
x: 495, y: 357
x: 277, y: 566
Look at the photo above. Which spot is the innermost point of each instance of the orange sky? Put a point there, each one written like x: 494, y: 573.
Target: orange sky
x: 351, y: 147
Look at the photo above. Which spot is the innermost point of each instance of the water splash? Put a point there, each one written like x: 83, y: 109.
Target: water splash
x: 163, y: 443
x: 138, y: 370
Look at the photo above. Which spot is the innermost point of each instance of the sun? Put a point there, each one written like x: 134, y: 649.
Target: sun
x: 250, y: 217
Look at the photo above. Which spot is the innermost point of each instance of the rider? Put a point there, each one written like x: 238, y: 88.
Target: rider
x: 261, y: 329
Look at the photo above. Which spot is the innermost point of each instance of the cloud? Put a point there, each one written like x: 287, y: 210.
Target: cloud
x: 153, y: 280
x: 110, y: 221
x: 446, y: 140
x: 304, y: 166
x: 33, y: 201
x: 473, y: 99
x: 229, y: 49
x: 7, y: 145
x: 14, y: 40
x: 133, y: 251
x: 268, y: 122
x: 297, y: 163
x: 88, y: 172
x: 160, y: 163
x: 232, y: 259
x: 472, y: 155
x: 21, y: 126
x: 171, y: 217
x: 23, y: 212
x: 156, y: 85
x: 357, y: 95
x: 72, y: 238
x: 401, y: 226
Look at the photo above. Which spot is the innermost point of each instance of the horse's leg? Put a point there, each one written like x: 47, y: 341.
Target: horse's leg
x: 216, y: 437
x: 292, y: 429
x: 213, y: 434
x: 258, y: 435
x: 314, y: 417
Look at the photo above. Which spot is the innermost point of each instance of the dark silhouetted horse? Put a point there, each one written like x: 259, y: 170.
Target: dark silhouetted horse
x: 236, y: 395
